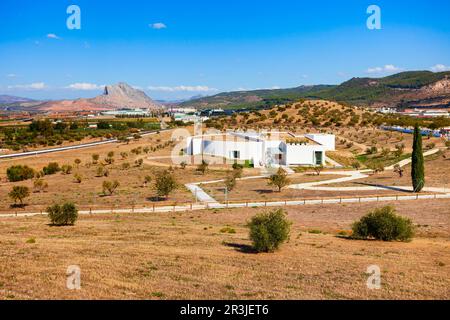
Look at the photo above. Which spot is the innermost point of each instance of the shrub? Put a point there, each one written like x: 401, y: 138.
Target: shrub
x: 318, y: 169
x: 269, y: 230
x: 279, y: 179
x: 237, y: 170
x: 51, y: 168
x: 66, y: 169
x: 62, y: 215
x: 19, y: 173
x: 227, y: 230
x: 78, y: 178
x: 202, y: 167
x: 147, y: 179
x: 109, y: 160
x: 237, y: 166
x: 383, y: 224
x: 230, y: 181
x: 102, y: 172
x: 376, y: 167
x: 372, y: 150
x: 40, y: 185
x: 356, y: 165
x: 165, y: 183
x: 110, y: 186
x: 95, y: 157
x: 19, y: 193
x: 139, y: 162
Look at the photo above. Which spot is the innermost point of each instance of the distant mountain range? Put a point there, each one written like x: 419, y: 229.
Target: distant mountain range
x: 410, y: 89
x: 116, y: 96
x: 405, y: 89
x: 5, y: 99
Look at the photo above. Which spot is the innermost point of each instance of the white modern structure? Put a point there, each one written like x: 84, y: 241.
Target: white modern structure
x: 264, y: 149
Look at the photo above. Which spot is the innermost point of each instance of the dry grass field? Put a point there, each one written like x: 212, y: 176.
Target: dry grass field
x: 437, y: 174
x: 186, y: 256
x: 259, y: 190
x: 89, y: 193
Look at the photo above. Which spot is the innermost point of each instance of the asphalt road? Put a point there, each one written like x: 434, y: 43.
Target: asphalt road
x: 60, y: 149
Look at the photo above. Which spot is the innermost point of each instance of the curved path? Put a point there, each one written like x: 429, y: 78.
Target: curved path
x: 408, y: 160
x: 350, y: 176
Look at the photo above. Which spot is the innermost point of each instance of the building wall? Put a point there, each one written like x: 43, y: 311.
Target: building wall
x: 248, y: 150
x: 327, y: 140
x: 303, y: 155
x: 257, y: 150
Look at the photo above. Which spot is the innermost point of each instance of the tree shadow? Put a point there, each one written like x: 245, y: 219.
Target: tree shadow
x: 244, y: 248
x: 392, y: 188
x: 263, y: 191
x: 18, y: 206
x: 155, y: 199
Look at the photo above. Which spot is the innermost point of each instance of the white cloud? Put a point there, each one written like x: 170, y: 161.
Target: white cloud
x: 389, y: 68
x: 84, y: 86
x: 11, y: 75
x: 157, y: 25
x: 440, y: 68
x: 32, y: 86
x: 53, y: 36
x: 253, y: 89
x: 181, y: 88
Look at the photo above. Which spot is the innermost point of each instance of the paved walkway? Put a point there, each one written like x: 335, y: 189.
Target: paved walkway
x: 200, y: 194
x: 408, y: 161
x: 350, y: 176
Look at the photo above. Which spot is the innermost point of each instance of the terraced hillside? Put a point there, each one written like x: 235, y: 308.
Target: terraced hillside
x: 405, y: 89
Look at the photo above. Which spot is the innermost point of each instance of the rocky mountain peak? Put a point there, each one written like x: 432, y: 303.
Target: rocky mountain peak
x: 122, y: 95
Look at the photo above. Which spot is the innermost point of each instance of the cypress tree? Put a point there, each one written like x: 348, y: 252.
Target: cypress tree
x: 417, y: 164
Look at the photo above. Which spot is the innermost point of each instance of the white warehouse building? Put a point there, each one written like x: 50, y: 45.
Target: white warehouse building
x: 264, y: 149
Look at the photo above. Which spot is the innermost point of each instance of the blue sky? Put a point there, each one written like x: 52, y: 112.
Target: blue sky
x: 178, y: 49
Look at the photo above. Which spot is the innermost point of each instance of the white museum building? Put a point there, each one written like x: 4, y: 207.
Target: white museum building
x: 264, y: 149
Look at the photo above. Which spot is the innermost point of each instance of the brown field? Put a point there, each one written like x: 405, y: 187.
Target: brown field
x: 437, y: 174
x: 259, y: 190
x: 131, y: 192
x: 88, y: 193
x: 186, y: 256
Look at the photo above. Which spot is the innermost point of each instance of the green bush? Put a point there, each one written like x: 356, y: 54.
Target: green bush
x: 19, y: 193
x: 62, y: 215
x: 51, y: 168
x: 19, y: 173
x: 269, y: 230
x: 383, y: 224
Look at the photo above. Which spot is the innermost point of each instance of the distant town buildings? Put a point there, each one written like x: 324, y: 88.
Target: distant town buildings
x: 127, y: 113
x: 416, y: 112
